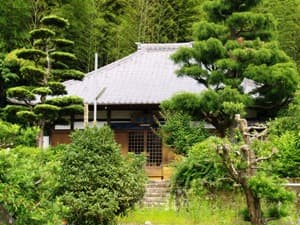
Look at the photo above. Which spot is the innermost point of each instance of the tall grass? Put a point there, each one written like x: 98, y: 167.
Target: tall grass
x: 223, y: 209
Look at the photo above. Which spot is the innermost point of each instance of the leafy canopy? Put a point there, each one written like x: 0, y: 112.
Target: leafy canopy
x: 97, y: 183
x: 42, y: 74
x: 236, y: 57
x: 28, y: 183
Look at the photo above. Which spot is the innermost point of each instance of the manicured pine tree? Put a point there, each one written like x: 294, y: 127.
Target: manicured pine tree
x: 236, y: 57
x: 43, y: 76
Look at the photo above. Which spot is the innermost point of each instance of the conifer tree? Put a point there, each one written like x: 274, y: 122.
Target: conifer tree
x: 43, y: 75
x: 236, y: 57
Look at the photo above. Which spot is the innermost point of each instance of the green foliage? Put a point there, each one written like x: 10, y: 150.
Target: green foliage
x: 57, y: 88
x: 14, y: 22
x: 224, y: 209
x: 12, y: 135
x: 41, y: 33
x: 28, y: 116
x: 68, y: 74
x: 27, y: 136
x: 168, y: 21
x: 7, y: 77
x: 215, y: 107
x: 96, y: 182
x: 289, y: 119
x: 61, y: 42
x: 235, y: 54
x: 270, y: 188
x: 218, y: 11
x: 31, y: 54
x: 180, y: 133
x: 42, y: 91
x: 8, y: 134
x: 72, y: 109
x: 63, y: 56
x: 278, y: 212
x: 20, y: 93
x: 203, y: 164
x: 33, y: 73
x: 37, y: 77
x: 65, y: 101
x: 53, y: 20
x: 287, y: 161
x: 28, y: 183
x: 43, y: 109
x: 285, y: 131
x: 287, y: 15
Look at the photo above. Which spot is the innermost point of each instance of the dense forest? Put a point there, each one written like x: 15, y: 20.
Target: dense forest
x: 112, y: 27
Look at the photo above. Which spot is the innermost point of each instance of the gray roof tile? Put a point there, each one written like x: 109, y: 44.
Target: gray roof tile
x: 144, y: 77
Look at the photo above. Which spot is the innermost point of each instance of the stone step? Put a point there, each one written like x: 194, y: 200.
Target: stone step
x: 158, y: 184
x: 156, y: 189
x: 155, y: 199
x: 153, y: 204
x: 157, y: 194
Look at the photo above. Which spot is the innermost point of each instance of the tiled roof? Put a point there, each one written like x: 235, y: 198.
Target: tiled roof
x: 144, y: 77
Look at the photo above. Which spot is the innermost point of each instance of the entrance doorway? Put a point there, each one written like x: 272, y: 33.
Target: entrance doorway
x: 147, y: 142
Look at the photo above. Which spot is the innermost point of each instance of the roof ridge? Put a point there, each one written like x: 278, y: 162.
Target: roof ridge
x: 111, y: 65
x: 162, y: 46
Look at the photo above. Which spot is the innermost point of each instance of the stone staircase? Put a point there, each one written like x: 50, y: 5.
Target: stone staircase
x: 157, y: 193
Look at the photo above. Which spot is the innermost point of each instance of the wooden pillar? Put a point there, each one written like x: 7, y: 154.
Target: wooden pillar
x: 86, y: 115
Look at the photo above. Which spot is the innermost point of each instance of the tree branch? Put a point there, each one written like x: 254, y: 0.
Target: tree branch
x: 223, y: 151
x: 274, y: 150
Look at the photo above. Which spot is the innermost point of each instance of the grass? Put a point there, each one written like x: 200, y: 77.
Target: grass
x: 223, y: 210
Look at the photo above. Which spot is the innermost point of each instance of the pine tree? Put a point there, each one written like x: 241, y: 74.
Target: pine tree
x: 236, y: 57
x: 47, y: 67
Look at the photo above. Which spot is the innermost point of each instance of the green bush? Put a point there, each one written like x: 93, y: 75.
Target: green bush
x: 202, y: 164
x: 28, y: 183
x: 97, y: 183
x: 12, y: 135
x: 287, y: 160
x: 180, y: 133
x: 285, y: 134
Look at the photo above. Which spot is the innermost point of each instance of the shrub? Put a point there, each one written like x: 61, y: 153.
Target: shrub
x: 203, y: 164
x: 180, y: 133
x: 96, y: 182
x: 12, y: 135
x: 285, y: 133
x: 287, y: 161
x: 28, y: 182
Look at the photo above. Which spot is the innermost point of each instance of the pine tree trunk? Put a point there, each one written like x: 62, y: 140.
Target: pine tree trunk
x: 254, y: 207
x: 5, y: 216
x: 41, y: 135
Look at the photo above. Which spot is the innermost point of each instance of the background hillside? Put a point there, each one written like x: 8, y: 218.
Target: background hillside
x: 111, y: 27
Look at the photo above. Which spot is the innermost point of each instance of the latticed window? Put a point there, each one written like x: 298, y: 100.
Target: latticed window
x: 148, y: 143
x: 136, y: 142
